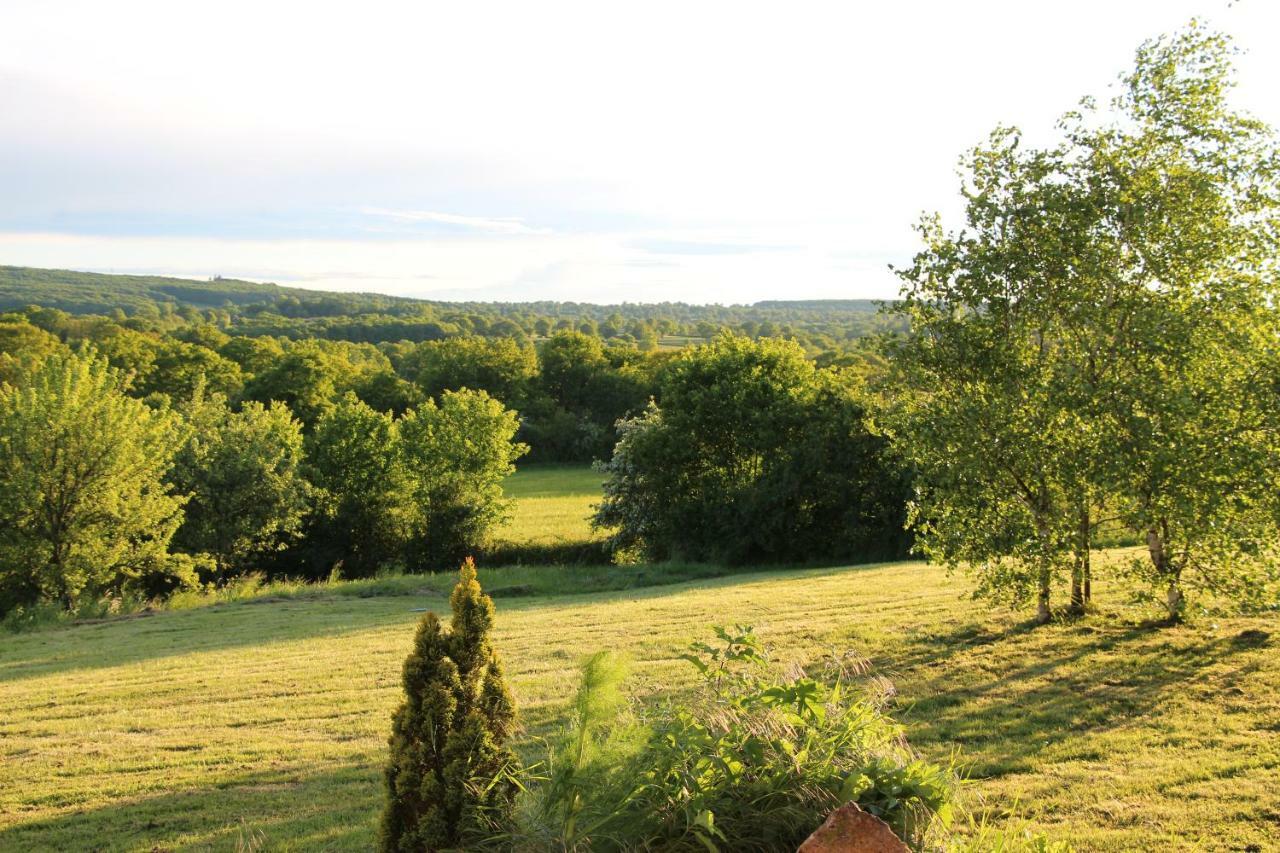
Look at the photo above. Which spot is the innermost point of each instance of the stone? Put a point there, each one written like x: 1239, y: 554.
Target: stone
x: 849, y: 829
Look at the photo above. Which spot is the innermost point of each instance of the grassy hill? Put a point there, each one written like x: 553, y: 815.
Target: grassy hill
x: 264, y: 721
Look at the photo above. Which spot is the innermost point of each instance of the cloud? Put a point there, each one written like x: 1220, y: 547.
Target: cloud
x: 700, y: 247
x: 497, y: 225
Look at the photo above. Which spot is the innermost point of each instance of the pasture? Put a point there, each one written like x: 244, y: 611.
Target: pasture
x: 552, y: 504
x: 261, y: 723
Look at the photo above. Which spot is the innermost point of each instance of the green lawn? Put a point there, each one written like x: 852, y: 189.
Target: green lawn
x: 553, y: 504
x: 263, y: 722
x: 194, y: 728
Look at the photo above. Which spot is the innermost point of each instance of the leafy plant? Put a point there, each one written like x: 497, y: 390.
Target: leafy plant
x: 754, y: 759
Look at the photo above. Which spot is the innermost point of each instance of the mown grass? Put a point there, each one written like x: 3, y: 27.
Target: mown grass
x: 266, y: 718
x: 257, y: 714
x: 553, y: 504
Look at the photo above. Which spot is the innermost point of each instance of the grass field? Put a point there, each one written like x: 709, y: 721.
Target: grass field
x: 553, y: 504
x: 263, y: 722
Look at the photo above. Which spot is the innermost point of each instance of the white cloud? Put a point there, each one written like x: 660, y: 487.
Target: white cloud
x: 499, y: 225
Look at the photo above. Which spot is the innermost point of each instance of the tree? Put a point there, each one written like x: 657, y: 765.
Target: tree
x: 364, y: 508
x: 1091, y: 344
x: 450, y: 773
x: 754, y: 455
x: 22, y: 342
x: 84, y: 508
x: 384, y: 391
x: 303, y: 380
x: 254, y: 355
x: 568, y: 364
x: 180, y: 367
x: 457, y: 452
x: 1192, y: 202
x: 242, y: 472
x: 587, y: 390
x: 503, y: 368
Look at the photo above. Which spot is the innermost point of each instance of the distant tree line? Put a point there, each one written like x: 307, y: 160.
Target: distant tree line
x: 242, y: 308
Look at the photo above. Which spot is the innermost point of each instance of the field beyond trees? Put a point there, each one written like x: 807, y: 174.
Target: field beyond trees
x: 263, y: 722
x: 553, y: 505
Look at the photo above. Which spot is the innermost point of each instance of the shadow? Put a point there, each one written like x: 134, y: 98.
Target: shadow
x: 336, y: 809
x: 218, y: 627
x: 264, y: 621
x: 1003, y: 697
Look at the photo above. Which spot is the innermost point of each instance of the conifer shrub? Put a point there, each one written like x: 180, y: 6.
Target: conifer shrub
x: 451, y: 776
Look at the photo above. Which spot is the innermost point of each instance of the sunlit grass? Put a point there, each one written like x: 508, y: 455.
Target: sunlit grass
x: 553, y: 504
x: 269, y: 715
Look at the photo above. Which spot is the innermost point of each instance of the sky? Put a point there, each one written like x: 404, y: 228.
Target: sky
x: 595, y: 152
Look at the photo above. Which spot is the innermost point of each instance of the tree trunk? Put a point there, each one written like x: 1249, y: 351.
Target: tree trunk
x: 1174, y: 600
x: 1156, y: 539
x: 1043, y: 614
x: 1080, y: 574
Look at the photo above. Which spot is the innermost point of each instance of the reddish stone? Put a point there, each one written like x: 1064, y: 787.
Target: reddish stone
x: 849, y: 829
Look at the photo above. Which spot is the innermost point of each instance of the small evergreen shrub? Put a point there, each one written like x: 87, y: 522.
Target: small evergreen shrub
x: 451, y: 776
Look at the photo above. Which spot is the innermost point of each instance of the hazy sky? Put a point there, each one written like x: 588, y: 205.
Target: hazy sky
x: 604, y: 152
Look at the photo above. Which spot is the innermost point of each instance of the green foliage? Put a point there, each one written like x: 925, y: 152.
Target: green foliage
x: 456, y: 454
x: 180, y: 368
x: 1091, y: 346
x: 502, y: 368
x: 304, y: 380
x: 1195, y: 424
x: 21, y: 342
x: 84, y: 510
x: 752, y: 760
x: 586, y: 388
x: 754, y: 454
x: 426, y: 489
x: 384, y: 391
x: 450, y: 777
x: 242, y: 472
x: 364, y: 508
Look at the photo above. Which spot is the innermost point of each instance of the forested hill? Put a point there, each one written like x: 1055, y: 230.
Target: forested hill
x: 99, y: 293
x: 860, y: 306
x: 257, y: 309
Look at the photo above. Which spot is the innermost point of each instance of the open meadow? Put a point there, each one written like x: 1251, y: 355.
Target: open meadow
x: 262, y: 723
x: 553, y: 504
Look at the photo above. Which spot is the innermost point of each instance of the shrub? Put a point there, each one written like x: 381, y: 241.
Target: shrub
x: 450, y: 777
x: 752, y: 760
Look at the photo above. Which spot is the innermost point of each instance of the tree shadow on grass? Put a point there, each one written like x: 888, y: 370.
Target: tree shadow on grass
x: 261, y: 622
x: 332, y: 809
x: 1005, y: 697
x: 207, y: 629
